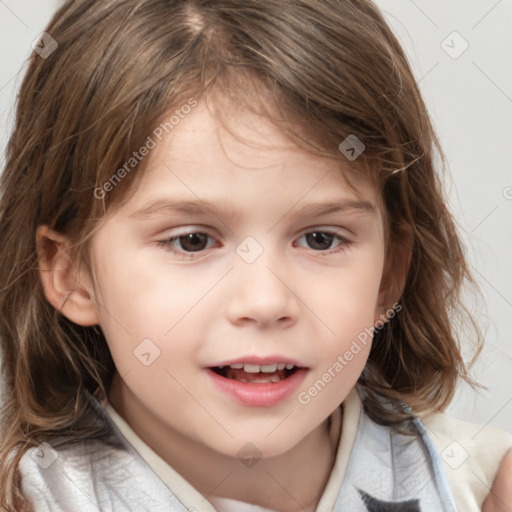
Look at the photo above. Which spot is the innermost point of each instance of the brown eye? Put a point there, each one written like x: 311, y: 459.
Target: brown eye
x: 320, y: 240
x: 188, y: 244
x: 324, y: 243
x: 193, y: 242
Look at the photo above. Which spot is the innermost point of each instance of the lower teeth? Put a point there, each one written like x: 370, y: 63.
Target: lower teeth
x: 272, y: 378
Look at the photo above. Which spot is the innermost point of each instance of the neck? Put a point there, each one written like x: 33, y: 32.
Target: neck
x: 286, y: 482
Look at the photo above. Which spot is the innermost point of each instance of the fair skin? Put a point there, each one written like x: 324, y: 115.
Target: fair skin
x: 305, y: 298
x: 499, y: 498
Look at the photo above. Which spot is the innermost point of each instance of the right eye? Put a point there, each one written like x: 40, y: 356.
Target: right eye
x: 187, y: 243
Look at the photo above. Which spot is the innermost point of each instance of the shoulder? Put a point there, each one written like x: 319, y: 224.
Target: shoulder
x: 471, y: 455
x: 54, y: 476
x: 101, y: 472
x: 92, y: 475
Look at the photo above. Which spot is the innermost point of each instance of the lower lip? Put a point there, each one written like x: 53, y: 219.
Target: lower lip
x: 263, y: 394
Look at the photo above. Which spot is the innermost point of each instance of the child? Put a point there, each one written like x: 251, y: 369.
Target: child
x: 143, y: 373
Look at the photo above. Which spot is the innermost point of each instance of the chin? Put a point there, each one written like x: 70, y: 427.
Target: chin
x: 262, y: 446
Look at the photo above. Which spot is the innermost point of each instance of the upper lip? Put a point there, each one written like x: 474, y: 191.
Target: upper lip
x: 259, y: 360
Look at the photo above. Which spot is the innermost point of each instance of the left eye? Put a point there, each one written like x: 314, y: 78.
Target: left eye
x: 322, y: 240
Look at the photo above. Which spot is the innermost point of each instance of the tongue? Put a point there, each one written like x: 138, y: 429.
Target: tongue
x: 239, y: 374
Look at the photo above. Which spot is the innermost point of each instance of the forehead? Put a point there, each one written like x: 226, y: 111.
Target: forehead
x: 202, y: 159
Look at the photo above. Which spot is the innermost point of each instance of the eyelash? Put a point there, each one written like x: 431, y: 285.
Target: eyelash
x: 167, y: 243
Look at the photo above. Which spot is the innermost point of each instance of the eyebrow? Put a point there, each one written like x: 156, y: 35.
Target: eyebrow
x: 203, y: 207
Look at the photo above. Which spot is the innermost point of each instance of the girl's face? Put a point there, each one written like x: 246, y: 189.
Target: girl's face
x: 237, y: 287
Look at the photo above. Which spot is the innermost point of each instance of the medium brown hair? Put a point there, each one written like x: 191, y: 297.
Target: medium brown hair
x: 320, y: 70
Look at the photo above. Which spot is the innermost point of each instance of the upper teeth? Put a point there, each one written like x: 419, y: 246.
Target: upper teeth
x: 265, y: 368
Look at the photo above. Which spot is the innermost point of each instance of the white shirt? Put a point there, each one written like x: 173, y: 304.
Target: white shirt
x: 471, y: 455
x: 373, y: 463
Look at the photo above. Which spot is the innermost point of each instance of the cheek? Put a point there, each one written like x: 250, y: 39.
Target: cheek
x: 141, y: 301
x: 348, y: 298
x: 135, y: 295
x: 347, y: 306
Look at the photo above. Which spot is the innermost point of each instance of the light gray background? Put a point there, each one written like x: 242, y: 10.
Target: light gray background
x: 470, y: 100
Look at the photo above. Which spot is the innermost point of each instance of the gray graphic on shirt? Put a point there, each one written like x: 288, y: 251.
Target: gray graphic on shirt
x: 374, y: 505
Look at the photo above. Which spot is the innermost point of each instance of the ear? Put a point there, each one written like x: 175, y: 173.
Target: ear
x: 396, y: 270
x: 66, y: 287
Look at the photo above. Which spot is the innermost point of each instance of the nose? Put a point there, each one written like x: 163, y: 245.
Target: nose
x: 262, y: 293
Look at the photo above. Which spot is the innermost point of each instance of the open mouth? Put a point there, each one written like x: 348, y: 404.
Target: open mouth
x: 258, y: 381
x: 256, y: 374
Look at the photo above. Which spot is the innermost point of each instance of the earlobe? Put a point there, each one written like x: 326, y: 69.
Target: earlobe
x: 65, y: 287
